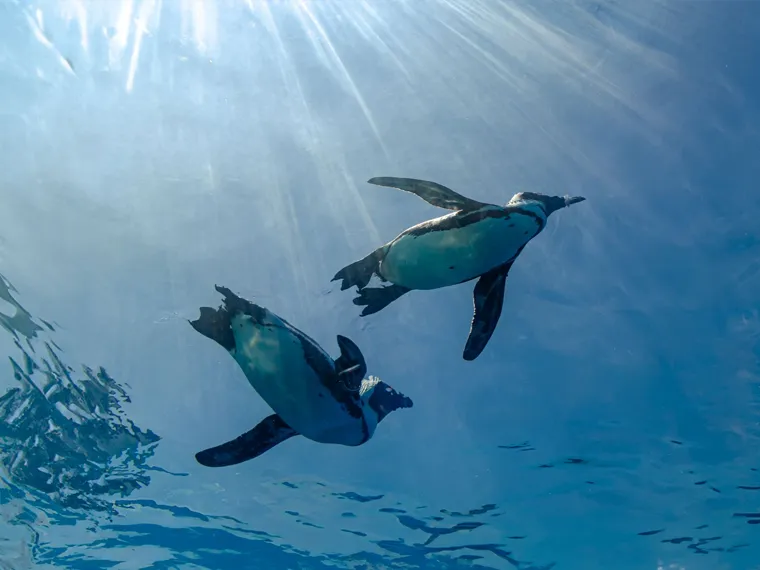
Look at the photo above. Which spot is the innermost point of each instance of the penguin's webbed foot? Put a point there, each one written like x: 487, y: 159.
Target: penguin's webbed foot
x: 375, y: 299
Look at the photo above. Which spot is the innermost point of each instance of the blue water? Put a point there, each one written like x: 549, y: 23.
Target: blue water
x: 151, y: 149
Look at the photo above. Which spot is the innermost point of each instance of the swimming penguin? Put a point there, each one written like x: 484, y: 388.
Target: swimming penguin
x: 477, y: 241
x: 325, y: 400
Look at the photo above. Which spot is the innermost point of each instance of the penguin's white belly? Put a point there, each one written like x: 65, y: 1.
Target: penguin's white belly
x: 447, y: 257
x: 273, y: 361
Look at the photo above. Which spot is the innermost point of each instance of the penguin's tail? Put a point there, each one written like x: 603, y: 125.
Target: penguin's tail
x: 216, y: 324
x: 360, y: 272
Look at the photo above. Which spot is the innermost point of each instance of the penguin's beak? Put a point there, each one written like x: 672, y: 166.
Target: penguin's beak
x: 554, y: 203
x: 573, y: 200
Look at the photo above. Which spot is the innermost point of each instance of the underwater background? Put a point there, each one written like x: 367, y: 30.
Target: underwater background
x: 150, y: 149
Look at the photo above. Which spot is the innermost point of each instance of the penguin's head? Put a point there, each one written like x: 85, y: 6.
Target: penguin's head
x: 350, y: 365
x: 380, y: 400
x: 548, y: 204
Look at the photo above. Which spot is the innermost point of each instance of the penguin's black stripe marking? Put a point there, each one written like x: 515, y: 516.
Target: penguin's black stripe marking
x: 467, y: 218
x: 539, y: 220
x: 329, y: 379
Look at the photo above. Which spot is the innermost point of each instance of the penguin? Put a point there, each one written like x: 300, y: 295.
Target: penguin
x: 476, y: 241
x: 325, y: 400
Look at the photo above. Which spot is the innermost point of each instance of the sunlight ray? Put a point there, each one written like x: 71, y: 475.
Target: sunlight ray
x: 318, y: 35
x: 530, y: 41
x: 147, y: 9
x: 120, y: 38
x: 200, y: 21
x: 76, y: 10
x: 291, y: 79
x: 337, y: 174
x: 368, y: 22
x: 36, y: 24
x: 305, y: 122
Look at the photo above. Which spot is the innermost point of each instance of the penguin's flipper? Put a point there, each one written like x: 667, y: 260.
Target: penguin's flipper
x: 270, y: 432
x: 350, y: 365
x: 432, y: 192
x: 488, y: 298
x: 360, y: 272
x: 376, y: 298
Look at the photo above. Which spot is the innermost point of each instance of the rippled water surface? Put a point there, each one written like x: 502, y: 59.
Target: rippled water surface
x: 152, y: 149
